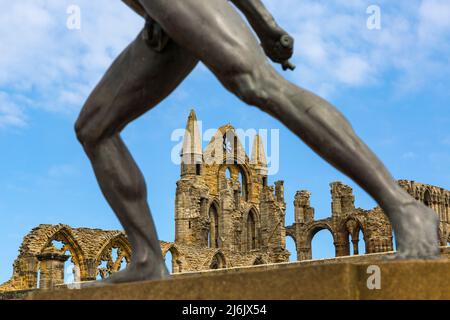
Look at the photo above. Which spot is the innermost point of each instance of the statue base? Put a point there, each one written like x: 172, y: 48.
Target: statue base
x: 350, y: 281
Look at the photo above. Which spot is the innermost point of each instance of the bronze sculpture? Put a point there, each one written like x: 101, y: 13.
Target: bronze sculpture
x: 180, y: 33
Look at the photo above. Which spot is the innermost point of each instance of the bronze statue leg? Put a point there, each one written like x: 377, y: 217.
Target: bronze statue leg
x: 136, y: 82
x: 216, y: 34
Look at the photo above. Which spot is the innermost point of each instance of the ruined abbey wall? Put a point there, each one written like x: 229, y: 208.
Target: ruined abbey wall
x: 226, y: 215
x: 347, y: 221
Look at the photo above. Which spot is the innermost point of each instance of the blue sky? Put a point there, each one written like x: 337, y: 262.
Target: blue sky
x: 391, y: 83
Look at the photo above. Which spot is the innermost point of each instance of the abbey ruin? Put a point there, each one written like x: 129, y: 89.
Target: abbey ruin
x: 226, y: 215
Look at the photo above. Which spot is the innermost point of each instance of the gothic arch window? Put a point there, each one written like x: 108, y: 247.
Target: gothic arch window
x: 114, y: 256
x: 227, y: 143
x: 355, y: 237
x: 447, y: 213
x: 59, y: 253
x: 173, y: 260
x: 228, y: 173
x: 264, y: 181
x: 320, y: 236
x: 59, y: 245
x: 213, y: 238
x: 243, y: 182
x: 252, y: 242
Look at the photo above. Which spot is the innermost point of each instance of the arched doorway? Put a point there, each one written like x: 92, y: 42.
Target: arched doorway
x: 322, y: 243
x: 291, y: 246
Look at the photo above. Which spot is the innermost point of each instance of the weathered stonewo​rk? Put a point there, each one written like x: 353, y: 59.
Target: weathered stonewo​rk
x: 214, y: 33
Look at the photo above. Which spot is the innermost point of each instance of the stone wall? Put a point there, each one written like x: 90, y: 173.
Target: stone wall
x: 347, y: 221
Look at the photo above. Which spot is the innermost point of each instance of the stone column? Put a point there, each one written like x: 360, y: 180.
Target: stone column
x: 304, y: 253
x: 342, y: 249
x: 91, y: 270
x: 341, y: 245
x: 52, y: 268
x: 355, y: 242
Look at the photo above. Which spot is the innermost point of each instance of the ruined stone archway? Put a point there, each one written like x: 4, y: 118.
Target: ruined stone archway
x: 65, y: 236
x: 27, y: 266
x: 304, y: 244
x: 218, y: 261
x: 351, y: 228
x: 114, y: 255
x: 178, y: 263
x: 290, y: 238
x: 62, y: 260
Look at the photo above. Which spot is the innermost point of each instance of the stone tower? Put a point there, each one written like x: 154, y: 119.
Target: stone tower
x: 223, y: 200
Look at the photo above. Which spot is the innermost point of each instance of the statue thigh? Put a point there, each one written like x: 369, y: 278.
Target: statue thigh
x: 137, y: 81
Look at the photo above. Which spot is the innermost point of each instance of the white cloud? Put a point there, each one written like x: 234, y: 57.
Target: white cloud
x: 352, y: 70
x: 334, y: 48
x: 435, y: 16
x: 47, y: 66
x: 10, y: 114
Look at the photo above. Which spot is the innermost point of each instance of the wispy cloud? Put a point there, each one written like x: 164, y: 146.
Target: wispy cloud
x: 334, y: 48
x: 409, y: 155
x: 47, y: 66
x: 11, y: 115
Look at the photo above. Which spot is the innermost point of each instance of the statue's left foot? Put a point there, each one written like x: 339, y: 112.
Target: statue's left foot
x: 416, y: 231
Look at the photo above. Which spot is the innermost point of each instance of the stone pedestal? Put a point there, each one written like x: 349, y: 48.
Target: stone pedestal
x: 373, y: 280
x: 52, y: 268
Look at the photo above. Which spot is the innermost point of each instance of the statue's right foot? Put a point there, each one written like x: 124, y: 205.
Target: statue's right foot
x: 133, y: 273
x: 416, y: 231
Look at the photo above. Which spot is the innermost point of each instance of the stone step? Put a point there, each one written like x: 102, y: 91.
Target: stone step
x: 397, y: 280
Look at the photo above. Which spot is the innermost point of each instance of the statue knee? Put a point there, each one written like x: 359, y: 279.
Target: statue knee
x: 87, y: 133
x: 83, y: 134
